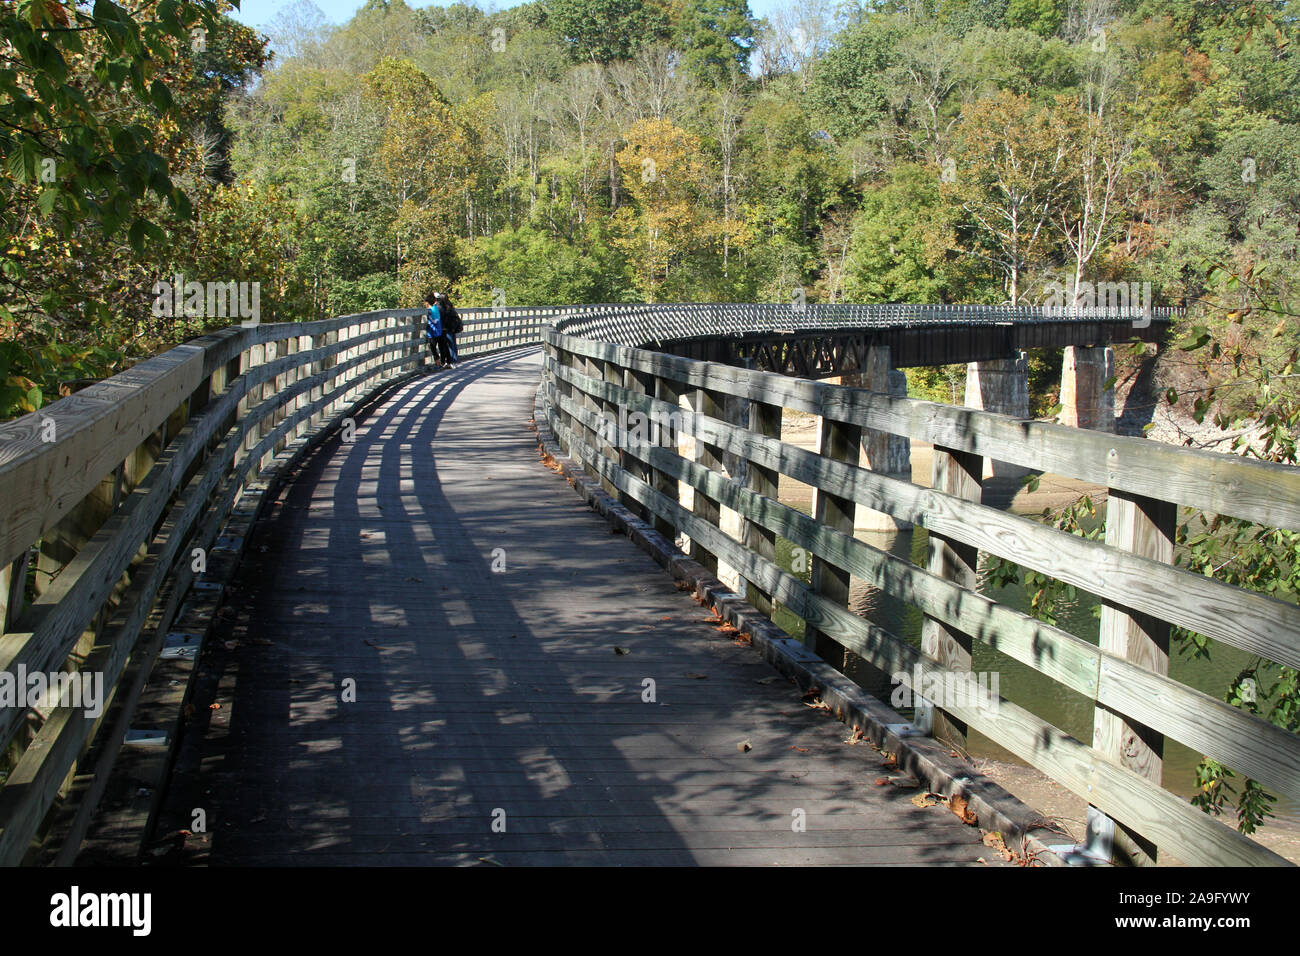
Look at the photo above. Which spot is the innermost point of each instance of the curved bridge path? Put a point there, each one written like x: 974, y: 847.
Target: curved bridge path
x: 487, y: 696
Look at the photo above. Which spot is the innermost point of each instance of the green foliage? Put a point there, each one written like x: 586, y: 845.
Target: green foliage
x: 1043, y: 17
x: 850, y: 92
x: 896, y: 250
x: 606, y: 30
x: 715, y: 37
x: 533, y: 267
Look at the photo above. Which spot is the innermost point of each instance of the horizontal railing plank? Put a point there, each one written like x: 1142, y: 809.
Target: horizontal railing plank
x: 1255, y: 622
x: 1264, y: 492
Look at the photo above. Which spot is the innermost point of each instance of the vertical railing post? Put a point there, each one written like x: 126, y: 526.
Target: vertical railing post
x: 269, y: 390
x: 253, y: 358
x: 595, y: 438
x: 1146, y: 527
x: 765, y: 419
x: 956, y: 473
x: 837, y: 441
x: 667, y: 434
x: 642, y: 383
x: 708, y: 402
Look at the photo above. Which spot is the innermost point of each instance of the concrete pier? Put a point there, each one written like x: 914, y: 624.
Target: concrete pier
x: 1085, y: 401
x: 1002, y: 387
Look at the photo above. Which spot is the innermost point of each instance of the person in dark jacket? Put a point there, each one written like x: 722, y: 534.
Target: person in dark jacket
x: 451, y: 324
x: 433, y: 328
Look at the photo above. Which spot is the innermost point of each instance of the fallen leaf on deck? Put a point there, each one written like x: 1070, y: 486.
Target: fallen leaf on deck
x: 214, y: 706
x: 802, y: 750
x: 924, y: 800
x: 621, y: 650
x: 882, y: 781
x: 744, y: 746
x: 958, y: 805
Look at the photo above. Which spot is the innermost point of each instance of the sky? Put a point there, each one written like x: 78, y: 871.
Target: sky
x: 256, y: 13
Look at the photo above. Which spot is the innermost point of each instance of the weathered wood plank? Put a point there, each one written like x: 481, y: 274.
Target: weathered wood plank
x: 1147, y: 527
x: 959, y: 474
x: 837, y: 442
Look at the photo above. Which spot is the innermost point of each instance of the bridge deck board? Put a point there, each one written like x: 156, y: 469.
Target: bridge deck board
x: 478, y: 690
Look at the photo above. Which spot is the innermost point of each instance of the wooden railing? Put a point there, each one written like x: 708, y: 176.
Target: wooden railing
x: 106, y: 493
x: 600, y: 399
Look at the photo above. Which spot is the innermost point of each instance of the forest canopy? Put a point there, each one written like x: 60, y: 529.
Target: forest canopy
x: 976, y: 151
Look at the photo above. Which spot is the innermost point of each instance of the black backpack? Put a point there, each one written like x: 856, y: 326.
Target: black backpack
x: 451, y: 322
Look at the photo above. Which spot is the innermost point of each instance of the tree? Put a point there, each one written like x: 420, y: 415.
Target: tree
x: 1007, y: 177
x: 715, y: 37
x: 1090, y: 215
x: 669, y: 228
x: 426, y: 159
x: 895, y: 252
x: 605, y: 30
x: 850, y: 90
x: 96, y: 105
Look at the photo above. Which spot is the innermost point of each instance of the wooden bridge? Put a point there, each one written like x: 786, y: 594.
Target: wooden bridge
x: 345, y: 610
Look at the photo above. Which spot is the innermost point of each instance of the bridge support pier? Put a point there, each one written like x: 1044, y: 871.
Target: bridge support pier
x: 1086, y: 402
x: 1002, y: 387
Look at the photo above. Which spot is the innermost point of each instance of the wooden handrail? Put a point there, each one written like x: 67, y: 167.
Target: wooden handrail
x: 111, y: 486
x: 589, y: 385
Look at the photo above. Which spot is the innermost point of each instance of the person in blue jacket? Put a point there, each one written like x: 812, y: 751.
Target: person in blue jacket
x: 433, y: 328
x: 451, y: 326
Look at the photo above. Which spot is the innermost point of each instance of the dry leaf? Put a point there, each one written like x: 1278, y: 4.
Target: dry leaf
x: 957, y: 804
x: 621, y: 650
x: 802, y: 750
x: 882, y: 781
x: 744, y: 746
x: 924, y: 800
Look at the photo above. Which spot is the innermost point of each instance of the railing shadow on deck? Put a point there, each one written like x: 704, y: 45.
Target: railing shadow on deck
x: 409, y: 713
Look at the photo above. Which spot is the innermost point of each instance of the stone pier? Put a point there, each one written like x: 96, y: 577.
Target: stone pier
x: 1000, y: 386
x: 1085, y: 401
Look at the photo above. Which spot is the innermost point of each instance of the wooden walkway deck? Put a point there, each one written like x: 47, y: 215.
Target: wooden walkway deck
x: 479, y: 691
